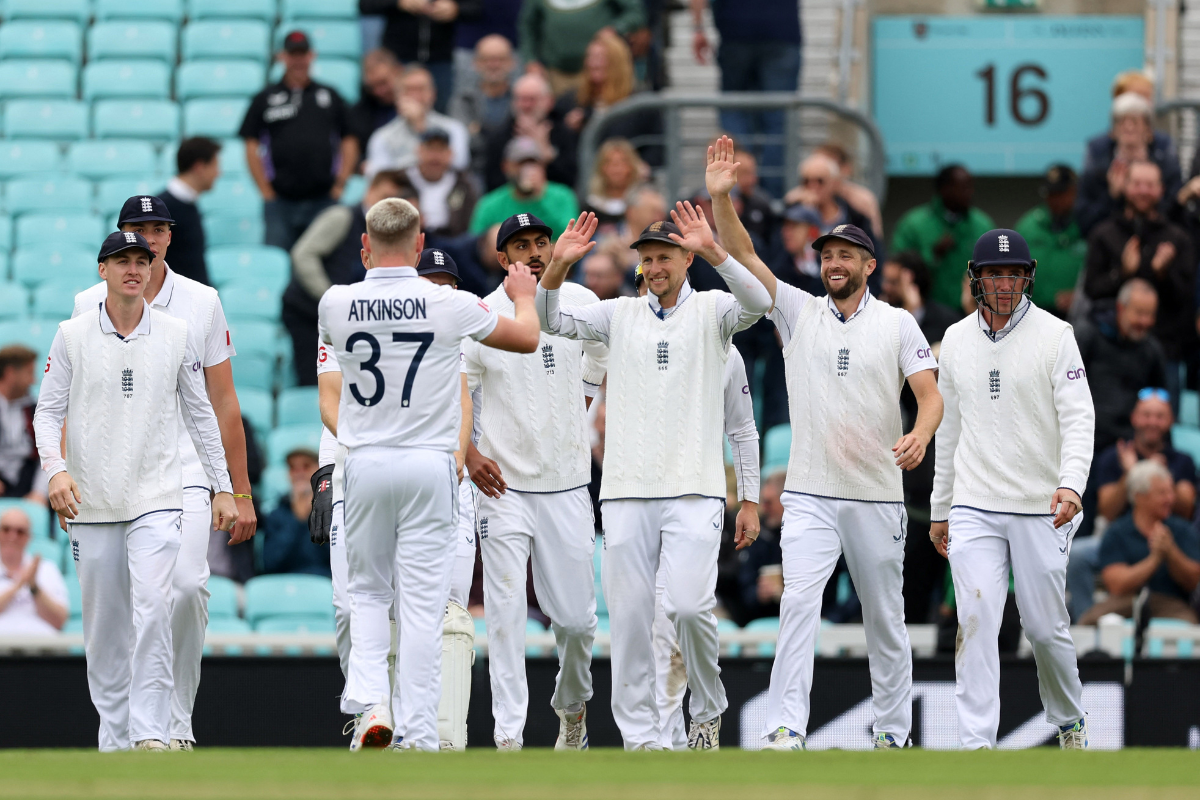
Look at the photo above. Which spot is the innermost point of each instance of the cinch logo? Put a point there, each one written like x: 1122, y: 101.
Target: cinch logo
x: 196, y: 366
x: 1076, y: 374
x: 994, y: 383
x: 925, y: 352
x: 745, y: 390
x: 843, y: 362
x: 147, y: 205
x: 664, y: 356
x: 127, y: 383
x: 522, y: 220
x: 548, y: 358
x: 1003, y: 241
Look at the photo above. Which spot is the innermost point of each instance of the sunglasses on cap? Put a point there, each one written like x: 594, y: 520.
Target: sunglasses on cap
x: 1150, y: 391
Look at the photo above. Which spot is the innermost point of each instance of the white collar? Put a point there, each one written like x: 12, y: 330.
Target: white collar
x: 383, y: 273
x: 1016, y: 317
x: 182, y: 190
x: 167, y: 290
x: 142, y: 329
x: 685, y: 292
x: 861, y: 305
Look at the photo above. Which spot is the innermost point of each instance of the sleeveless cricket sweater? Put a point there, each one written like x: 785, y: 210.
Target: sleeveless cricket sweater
x: 665, y: 402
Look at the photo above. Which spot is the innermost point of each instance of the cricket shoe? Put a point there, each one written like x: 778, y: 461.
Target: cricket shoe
x: 572, y: 729
x: 508, y: 745
x: 705, y: 735
x: 784, y: 739
x: 373, y: 729
x: 400, y: 745
x: 181, y: 745
x: 151, y: 745
x: 1074, y: 737
x: 885, y: 741
x: 649, y: 747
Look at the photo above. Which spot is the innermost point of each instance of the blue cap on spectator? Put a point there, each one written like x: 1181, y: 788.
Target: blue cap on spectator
x: 124, y: 240
x: 849, y: 233
x: 144, y: 208
x: 517, y: 223
x: 433, y: 260
x: 1001, y: 247
x: 802, y: 214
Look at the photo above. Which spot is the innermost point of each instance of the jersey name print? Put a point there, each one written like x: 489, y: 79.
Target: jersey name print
x: 407, y: 308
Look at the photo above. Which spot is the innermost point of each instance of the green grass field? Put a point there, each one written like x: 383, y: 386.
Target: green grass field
x: 300, y: 774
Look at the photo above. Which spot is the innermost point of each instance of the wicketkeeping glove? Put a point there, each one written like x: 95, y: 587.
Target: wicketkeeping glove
x: 321, y: 516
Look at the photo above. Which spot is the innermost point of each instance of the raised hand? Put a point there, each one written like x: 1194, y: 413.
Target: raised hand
x: 576, y: 241
x: 721, y: 174
x: 697, y: 236
x: 520, y: 282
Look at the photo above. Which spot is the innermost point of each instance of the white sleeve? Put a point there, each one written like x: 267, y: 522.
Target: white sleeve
x: 1076, y: 414
x: 460, y: 146
x: 590, y: 321
x: 218, y: 347
x: 915, y: 353
x: 478, y: 321
x: 201, y: 423
x: 328, y: 450
x: 789, y: 302
x: 740, y: 429
x: 946, y: 442
x: 326, y: 358
x: 51, y: 409
x: 471, y: 363
x: 595, y: 357
x: 476, y: 413
x: 751, y: 295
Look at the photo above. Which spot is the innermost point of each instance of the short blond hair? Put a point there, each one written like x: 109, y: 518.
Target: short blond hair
x: 393, y: 224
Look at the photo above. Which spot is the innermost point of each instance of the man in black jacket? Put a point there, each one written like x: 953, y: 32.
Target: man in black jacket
x: 198, y: 168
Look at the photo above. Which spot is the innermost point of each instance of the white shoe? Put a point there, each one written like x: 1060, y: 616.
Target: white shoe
x: 181, y: 745
x: 1074, y: 737
x: 373, y: 730
x: 705, y: 735
x: 151, y: 745
x: 885, y: 741
x: 508, y: 745
x: 785, y: 739
x: 572, y: 730
x: 400, y: 745
x: 649, y: 747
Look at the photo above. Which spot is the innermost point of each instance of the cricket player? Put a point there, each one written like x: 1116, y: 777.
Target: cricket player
x: 846, y: 358
x: 118, y: 374
x: 663, y: 492
x: 1012, y: 461
x: 398, y: 340
x: 200, y: 307
x: 533, y: 465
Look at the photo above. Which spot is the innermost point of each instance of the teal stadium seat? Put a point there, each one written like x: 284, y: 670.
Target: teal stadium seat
x: 1189, y: 408
x: 29, y: 158
x: 42, y: 39
x: 601, y: 601
x: 6, y: 239
x: 296, y: 623
x: 49, y: 549
x: 234, y: 229
x: 78, y: 10
x: 170, y: 10
x: 222, y: 597
x: 226, y: 78
x: 269, y: 596
x: 111, y: 158
x: 258, y: 407
x: 255, y: 336
x: 145, y: 78
x: 154, y: 120
x: 63, y: 120
x: 766, y: 650
x: 58, y: 195
x: 35, y: 334
x: 331, y: 38
x: 227, y: 38
x: 229, y: 625
x: 232, y: 195
x: 37, y: 78
x: 249, y: 302
x: 233, y: 158
x: 256, y: 265
x: 328, y: 9
x: 14, y: 302
x: 35, y: 230
x: 264, y: 10
x: 132, y: 39
x: 219, y: 118
x: 340, y: 73
x: 286, y: 438
x: 73, y: 263
x: 253, y: 371
x: 54, y: 300
x: 299, y: 406
x: 534, y: 628
x: 1186, y: 440
x: 777, y: 447
x: 112, y: 193
x: 275, y: 484
x: 356, y: 187
x: 39, y: 517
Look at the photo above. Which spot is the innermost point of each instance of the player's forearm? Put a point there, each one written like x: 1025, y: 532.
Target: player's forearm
x: 746, y: 288
x: 329, y: 395
x: 233, y: 439
x: 745, y: 465
x: 467, y: 417
x: 930, y: 410
x: 943, y: 469
x: 574, y: 322
x: 737, y: 241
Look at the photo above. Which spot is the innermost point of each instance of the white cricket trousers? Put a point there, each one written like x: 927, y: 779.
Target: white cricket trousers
x: 983, y: 547
x: 670, y: 674
x: 189, y: 614
x: 816, y: 531
x: 683, y: 535
x: 558, y: 532
x: 401, y: 506
x: 125, y: 573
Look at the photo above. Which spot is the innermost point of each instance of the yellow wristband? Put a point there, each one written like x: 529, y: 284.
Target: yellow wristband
x: 244, y: 496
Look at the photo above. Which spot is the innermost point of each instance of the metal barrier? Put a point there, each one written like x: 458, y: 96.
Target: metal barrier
x: 1185, y: 128
x: 674, y: 138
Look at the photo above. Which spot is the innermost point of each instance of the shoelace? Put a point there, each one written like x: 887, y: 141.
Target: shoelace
x: 351, y: 725
x: 574, y: 732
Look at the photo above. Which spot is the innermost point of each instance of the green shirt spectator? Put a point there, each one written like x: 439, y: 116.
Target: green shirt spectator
x: 556, y: 34
x: 1055, y: 241
x: 944, y: 231
x: 527, y: 191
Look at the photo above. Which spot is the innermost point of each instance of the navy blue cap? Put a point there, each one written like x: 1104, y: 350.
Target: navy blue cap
x: 849, y: 233
x: 144, y: 208
x: 517, y: 223
x: 433, y: 260
x: 1001, y: 247
x: 123, y: 240
x: 432, y: 134
x: 659, y: 231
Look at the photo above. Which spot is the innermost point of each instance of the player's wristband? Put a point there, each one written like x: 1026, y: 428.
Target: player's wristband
x: 244, y: 496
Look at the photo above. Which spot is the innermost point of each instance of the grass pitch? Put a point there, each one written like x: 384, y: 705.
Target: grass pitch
x: 299, y: 774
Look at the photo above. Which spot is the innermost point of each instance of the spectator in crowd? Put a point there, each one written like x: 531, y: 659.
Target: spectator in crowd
x: 530, y: 117
x: 753, y: 204
x: 1106, y: 175
x: 33, y: 595
x: 528, y: 191
x: 1138, y: 242
x: 394, y: 146
x: 1100, y: 146
x: 943, y: 232
x: 198, y: 166
x: 607, y: 80
x: 21, y: 472
x: 603, y: 273
x: 795, y: 261
x: 303, y: 129
x: 1121, y: 357
x: 447, y: 196
x: 820, y: 184
x: 554, y: 35
x: 759, y: 52
x: 482, y: 102
x: 376, y: 105
x: 617, y: 170
x: 476, y: 21
x: 286, y: 546
x: 1149, y: 548
x: 907, y: 284
x: 421, y: 32
x: 858, y: 196
x: 327, y: 253
x: 760, y: 567
x: 645, y: 206
x: 1055, y: 240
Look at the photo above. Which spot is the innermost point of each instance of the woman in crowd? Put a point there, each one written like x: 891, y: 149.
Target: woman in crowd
x: 617, y: 170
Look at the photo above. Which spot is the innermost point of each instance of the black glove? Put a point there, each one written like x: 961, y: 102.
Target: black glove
x: 321, y: 516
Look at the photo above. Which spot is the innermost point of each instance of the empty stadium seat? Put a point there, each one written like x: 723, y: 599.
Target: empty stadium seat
x: 1186, y: 440
x: 132, y: 39
x: 232, y: 195
x: 233, y: 158
x: 777, y: 447
x: 34, y: 230
x: 54, y: 299
x: 766, y: 624
x: 275, y: 484
x: 147, y: 78
x: 155, y: 120
x: 222, y: 597
x: 258, y: 265
x: 299, y: 406
x: 41, y: 194
x: 340, y: 73
x: 332, y: 9
x: 39, y: 517
x: 5, y: 238
x: 331, y: 38
x: 73, y: 263
x: 98, y: 160
x: 728, y: 626
x: 14, y: 302
x: 258, y: 407
x: 77, y: 10
x: 227, y: 38
x: 34, y: 334
x: 248, y: 301
x: 232, y: 9
x: 254, y: 371
x: 226, y: 624
x: 296, y: 623
x: 171, y: 10
x: 255, y: 336
x: 49, y: 549
x: 218, y: 118
x: 270, y: 596
x: 29, y: 158
x: 37, y: 78
x: 232, y: 229
x: 286, y: 438
x: 1189, y: 408
x: 42, y: 39
x: 112, y: 193
x: 45, y: 119
x: 226, y: 78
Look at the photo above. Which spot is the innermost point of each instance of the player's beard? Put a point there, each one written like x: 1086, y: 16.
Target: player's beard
x: 854, y: 281
x: 536, y: 267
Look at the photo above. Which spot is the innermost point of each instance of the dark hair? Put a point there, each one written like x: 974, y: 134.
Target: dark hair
x: 15, y: 355
x: 195, y: 150
x: 913, y: 262
x: 393, y: 176
x: 946, y: 174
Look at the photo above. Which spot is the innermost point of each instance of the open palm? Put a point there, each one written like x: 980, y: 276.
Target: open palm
x: 695, y: 234
x: 575, y: 242
x: 721, y: 174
